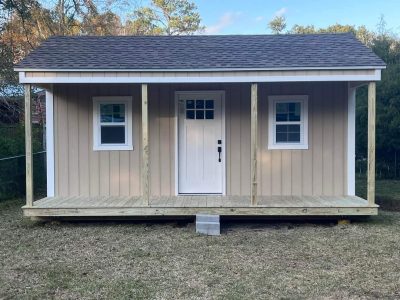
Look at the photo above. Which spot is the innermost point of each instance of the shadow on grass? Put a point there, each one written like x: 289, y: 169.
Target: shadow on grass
x: 388, y: 203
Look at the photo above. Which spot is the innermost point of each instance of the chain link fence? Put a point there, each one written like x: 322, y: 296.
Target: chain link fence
x: 12, y: 176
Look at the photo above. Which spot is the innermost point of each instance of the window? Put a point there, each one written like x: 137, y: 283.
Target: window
x: 288, y: 122
x: 112, y: 123
x: 200, y: 109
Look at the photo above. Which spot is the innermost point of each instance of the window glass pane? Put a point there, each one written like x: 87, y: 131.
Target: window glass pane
x: 189, y: 104
x: 119, y: 113
x: 281, y: 107
x: 281, y: 128
x: 199, y: 114
x: 288, y: 133
x: 294, y: 117
x: 294, y: 111
x: 106, y: 109
x: 294, y: 137
x: 113, y: 134
x: 281, y: 137
x: 106, y: 112
x: 209, y: 114
x: 281, y: 117
x: 209, y: 104
x: 293, y: 128
x: 112, y: 113
x: 106, y: 118
x: 199, y: 104
x: 190, y: 114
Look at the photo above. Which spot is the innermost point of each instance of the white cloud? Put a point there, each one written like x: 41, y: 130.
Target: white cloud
x: 259, y: 19
x: 280, y: 12
x: 224, y: 21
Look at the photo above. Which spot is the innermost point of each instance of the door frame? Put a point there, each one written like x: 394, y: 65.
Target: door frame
x: 221, y: 93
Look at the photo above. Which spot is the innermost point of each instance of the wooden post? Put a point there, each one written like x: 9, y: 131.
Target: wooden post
x: 28, y: 146
x: 145, y: 147
x: 254, y: 109
x: 371, y: 142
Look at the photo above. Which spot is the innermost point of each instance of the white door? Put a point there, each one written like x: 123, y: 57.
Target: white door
x: 201, y: 144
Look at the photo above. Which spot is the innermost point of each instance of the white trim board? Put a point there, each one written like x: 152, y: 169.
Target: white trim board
x: 50, y: 142
x: 176, y: 121
x: 200, y: 79
x: 351, y: 141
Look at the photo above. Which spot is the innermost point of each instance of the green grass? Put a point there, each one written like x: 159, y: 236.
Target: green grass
x: 250, y: 260
x: 387, y: 192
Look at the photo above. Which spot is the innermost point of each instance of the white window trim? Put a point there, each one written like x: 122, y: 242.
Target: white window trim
x: 272, y: 100
x: 127, y: 100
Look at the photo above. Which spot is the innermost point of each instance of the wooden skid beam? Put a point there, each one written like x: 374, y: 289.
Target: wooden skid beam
x: 28, y: 146
x: 254, y: 124
x: 145, y: 145
x: 371, y: 142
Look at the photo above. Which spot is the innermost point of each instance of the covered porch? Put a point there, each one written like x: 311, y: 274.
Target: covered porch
x: 304, y: 197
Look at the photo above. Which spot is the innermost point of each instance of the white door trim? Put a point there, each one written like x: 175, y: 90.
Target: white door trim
x: 223, y: 154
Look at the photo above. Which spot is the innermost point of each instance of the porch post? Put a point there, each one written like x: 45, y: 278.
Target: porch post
x: 28, y: 146
x: 371, y: 142
x: 145, y: 146
x: 254, y: 110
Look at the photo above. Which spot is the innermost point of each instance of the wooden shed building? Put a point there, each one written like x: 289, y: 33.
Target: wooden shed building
x: 180, y: 125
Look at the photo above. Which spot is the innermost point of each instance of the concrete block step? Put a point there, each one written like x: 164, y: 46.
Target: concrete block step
x: 208, y: 224
x: 207, y: 218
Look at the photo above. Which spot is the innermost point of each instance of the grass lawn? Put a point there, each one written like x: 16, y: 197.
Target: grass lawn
x: 387, y: 192
x: 129, y: 260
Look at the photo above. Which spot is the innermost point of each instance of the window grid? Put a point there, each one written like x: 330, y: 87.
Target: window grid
x: 112, y: 123
x: 199, y: 109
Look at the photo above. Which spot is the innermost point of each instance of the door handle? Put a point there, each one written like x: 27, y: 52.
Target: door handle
x: 219, y: 153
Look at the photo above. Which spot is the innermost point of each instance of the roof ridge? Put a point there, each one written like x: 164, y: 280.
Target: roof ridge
x: 205, y: 35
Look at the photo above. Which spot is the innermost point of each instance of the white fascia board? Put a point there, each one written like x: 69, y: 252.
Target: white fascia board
x: 203, y: 70
x: 200, y: 79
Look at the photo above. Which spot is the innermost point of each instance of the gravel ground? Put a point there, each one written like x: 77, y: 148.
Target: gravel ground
x: 250, y: 260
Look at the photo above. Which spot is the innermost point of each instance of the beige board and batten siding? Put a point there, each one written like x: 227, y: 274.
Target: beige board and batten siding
x: 320, y: 170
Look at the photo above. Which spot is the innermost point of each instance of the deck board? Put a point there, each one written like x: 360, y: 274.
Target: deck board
x: 192, y: 204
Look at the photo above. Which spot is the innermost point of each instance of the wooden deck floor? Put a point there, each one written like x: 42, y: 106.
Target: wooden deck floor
x: 190, y: 205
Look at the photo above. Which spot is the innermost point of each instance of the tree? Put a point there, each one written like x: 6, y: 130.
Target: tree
x: 107, y: 23
x: 166, y: 17
x: 361, y: 32
x: 277, y: 24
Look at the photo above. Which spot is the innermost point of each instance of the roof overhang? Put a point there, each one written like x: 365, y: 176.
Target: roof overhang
x: 201, y: 70
x: 200, y: 76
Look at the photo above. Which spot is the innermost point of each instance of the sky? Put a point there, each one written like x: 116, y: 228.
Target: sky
x: 252, y: 16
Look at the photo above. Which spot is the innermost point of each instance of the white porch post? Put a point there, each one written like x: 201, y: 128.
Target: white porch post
x: 28, y: 146
x: 254, y: 147
x: 145, y: 146
x: 50, y: 141
x: 351, y: 141
x: 371, y: 142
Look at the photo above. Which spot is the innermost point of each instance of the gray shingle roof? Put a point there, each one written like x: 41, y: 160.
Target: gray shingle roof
x: 201, y: 52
